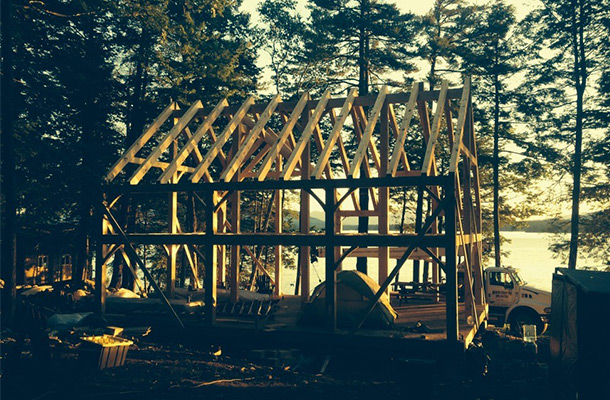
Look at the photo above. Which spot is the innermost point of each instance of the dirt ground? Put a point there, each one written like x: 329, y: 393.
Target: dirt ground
x: 159, y: 368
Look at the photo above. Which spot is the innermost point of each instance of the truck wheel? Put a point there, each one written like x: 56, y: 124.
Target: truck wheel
x: 518, y: 318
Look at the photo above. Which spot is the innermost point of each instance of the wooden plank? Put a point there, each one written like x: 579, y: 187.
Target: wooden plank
x: 166, y: 142
x: 283, y: 136
x: 304, y: 206
x: 334, y: 134
x: 319, y: 141
x: 222, y: 139
x: 344, y: 160
x: 162, y: 165
x: 395, y: 129
x: 210, y: 261
x: 259, y: 265
x: 383, y: 225
x: 358, y: 213
x: 194, y: 140
x: 436, y: 126
x: 239, y: 158
x: 395, y: 253
x: 331, y: 272
x: 100, y: 266
x: 271, y: 137
x: 358, y: 117
x: 368, y: 133
x: 278, y: 222
x: 193, y: 265
x: 196, y: 153
x: 402, y: 134
x: 361, y: 122
x: 362, y: 101
x: 259, y: 156
x: 305, y: 136
x: 235, y: 198
x: 460, y: 126
x: 173, y: 249
x: 451, y: 263
x: 140, y: 142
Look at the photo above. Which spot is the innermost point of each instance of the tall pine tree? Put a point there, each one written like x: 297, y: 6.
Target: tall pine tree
x: 570, y: 36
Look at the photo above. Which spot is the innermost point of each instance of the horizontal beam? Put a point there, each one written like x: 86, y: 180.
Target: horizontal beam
x: 388, y: 181
x: 395, y: 253
x: 284, y: 239
x: 362, y: 101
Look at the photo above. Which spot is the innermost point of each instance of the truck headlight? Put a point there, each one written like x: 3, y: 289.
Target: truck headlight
x: 547, y: 310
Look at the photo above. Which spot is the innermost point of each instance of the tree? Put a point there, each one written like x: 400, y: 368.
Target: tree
x: 64, y: 104
x: 207, y: 53
x: 367, y: 39
x: 442, y: 35
x: 358, y: 42
x: 282, y: 37
x: 494, y: 55
x: 572, y: 34
x: 9, y: 195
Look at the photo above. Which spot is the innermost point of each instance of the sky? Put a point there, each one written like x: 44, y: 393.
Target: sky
x: 415, y: 6
x: 420, y: 7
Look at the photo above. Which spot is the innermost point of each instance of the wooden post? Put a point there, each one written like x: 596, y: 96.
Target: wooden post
x: 235, y: 249
x: 304, y: 251
x: 235, y: 223
x: 173, y: 228
x: 384, y: 194
x: 331, y: 274
x: 419, y: 215
x: 100, y: 257
x: 210, y: 259
x: 338, y: 229
x: 278, y: 221
x: 451, y: 261
x: 221, y: 250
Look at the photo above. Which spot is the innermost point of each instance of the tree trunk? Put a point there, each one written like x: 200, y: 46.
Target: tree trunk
x: 496, y: 172
x: 363, y: 90
x: 135, y: 126
x: 580, y: 82
x: 9, y: 222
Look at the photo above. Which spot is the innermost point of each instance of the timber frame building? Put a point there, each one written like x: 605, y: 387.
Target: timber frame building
x: 217, y: 153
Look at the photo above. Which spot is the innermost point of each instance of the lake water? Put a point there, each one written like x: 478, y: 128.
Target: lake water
x: 527, y: 251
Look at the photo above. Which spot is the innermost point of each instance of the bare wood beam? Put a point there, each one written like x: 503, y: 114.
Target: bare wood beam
x: 239, y: 158
x: 457, y: 145
x: 140, y: 142
x: 396, y: 129
x: 305, y: 136
x: 283, y: 136
x: 334, y: 135
x: 222, y: 139
x: 402, y: 134
x: 192, y: 143
x: 365, y: 140
x: 166, y: 142
x: 436, y: 126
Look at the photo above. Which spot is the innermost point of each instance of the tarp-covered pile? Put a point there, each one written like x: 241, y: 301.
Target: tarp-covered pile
x: 354, y: 293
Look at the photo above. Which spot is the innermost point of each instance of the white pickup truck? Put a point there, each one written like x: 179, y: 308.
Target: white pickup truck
x: 511, y: 300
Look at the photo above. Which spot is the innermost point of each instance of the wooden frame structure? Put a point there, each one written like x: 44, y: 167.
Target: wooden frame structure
x: 220, y: 152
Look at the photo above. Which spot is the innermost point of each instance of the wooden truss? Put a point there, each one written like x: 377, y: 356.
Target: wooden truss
x: 324, y: 149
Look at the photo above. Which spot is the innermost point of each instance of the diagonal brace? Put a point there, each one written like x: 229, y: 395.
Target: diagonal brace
x: 135, y: 256
x: 401, y: 262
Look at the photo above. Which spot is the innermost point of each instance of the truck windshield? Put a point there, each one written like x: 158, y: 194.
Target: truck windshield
x: 518, y: 278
